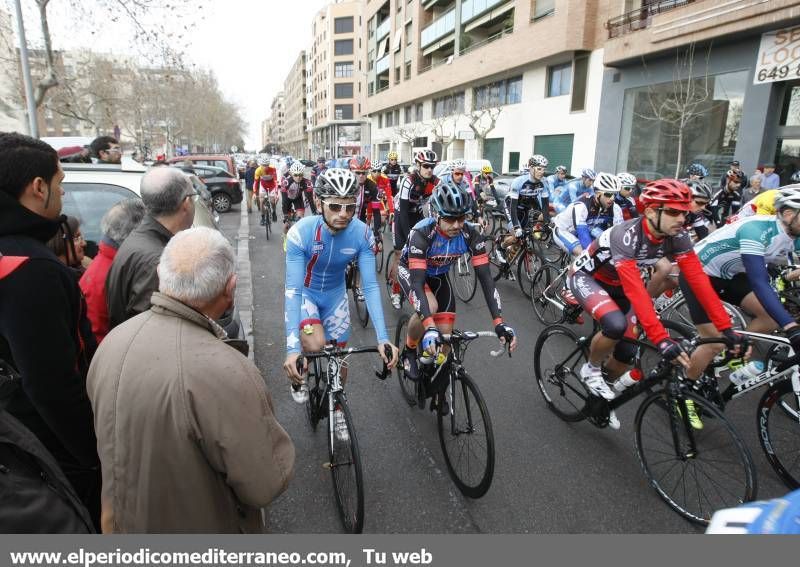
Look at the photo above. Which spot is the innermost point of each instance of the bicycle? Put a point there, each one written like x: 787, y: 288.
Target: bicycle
x: 268, y: 216
x: 525, y: 258
x: 345, y: 458
x: 465, y: 429
x: 288, y: 221
x: 353, y: 280
x: 673, y: 455
x: 463, y: 278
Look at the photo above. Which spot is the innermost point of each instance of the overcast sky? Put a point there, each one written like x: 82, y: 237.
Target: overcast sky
x: 249, y: 44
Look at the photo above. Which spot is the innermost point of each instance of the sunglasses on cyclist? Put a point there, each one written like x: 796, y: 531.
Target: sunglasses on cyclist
x: 349, y: 208
x: 673, y: 212
x: 361, y: 172
x: 607, y: 195
x: 461, y: 218
x: 426, y: 165
x: 700, y: 202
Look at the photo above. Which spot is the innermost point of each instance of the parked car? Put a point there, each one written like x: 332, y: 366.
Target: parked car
x: 215, y: 160
x: 225, y: 188
x: 90, y: 190
x: 473, y: 166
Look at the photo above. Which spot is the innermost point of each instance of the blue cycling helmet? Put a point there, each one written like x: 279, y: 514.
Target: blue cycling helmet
x: 588, y: 173
x: 778, y: 516
x: 697, y: 169
x: 451, y: 199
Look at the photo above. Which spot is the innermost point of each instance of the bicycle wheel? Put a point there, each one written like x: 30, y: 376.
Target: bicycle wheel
x: 466, y: 437
x: 695, y: 471
x: 527, y: 265
x: 316, y: 390
x: 407, y: 386
x: 778, y: 421
x: 358, y: 297
x: 268, y: 224
x: 544, y: 290
x: 557, y: 360
x: 463, y: 278
x: 379, y: 258
x: 678, y: 311
x: 345, y: 465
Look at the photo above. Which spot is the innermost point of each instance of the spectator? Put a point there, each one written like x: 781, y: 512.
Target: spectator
x: 69, y: 246
x: 167, y: 195
x: 249, y: 181
x: 753, y: 189
x: 210, y: 452
x: 74, y: 154
x: 116, y: 225
x: 770, y: 179
x: 44, y: 332
x: 105, y: 149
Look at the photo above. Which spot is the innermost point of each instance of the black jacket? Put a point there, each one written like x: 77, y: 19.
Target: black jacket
x: 45, y: 335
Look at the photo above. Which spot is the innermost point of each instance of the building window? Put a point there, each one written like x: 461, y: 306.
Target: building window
x: 420, y: 142
x: 396, y: 117
x: 396, y: 75
x: 407, y: 114
x: 542, y: 8
x: 448, y: 105
x: 343, y: 90
x: 508, y: 91
x: 388, y: 119
x: 408, y: 33
x: 380, y: 121
x: 343, y: 25
x: 343, y: 69
x: 408, y: 70
x: 559, y: 79
x: 419, y: 112
x: 649, y: 145
x: 343, y: 47
x: 580, y: 75
x: 343, y: 112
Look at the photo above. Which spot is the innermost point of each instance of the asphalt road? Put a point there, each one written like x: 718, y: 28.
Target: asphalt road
x: 550, y: 476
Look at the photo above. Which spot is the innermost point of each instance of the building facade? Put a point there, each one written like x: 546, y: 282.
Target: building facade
x: 681, y: 86
x: 439, y: 73
x: 273, y: 130
x: 335, y: 81
x: 294, y: 89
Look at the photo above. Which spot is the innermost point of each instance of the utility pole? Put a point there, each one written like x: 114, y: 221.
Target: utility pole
x: 33, y: 127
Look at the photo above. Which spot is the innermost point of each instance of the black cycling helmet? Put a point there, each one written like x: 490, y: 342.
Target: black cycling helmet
x: 451, y: 199
x: 700, y: 189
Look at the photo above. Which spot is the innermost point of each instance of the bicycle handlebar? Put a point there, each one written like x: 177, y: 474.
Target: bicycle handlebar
x: 334, y: 351
x: 472, y: 335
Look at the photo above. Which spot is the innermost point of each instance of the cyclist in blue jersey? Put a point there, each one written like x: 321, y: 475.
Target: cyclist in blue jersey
x: 573, y: 189
x: 587, y: 218
x: 556, y: 182
x: 434, y: 244
x: 624, y: 202
x: 528, y: 193
x: 318, y: 250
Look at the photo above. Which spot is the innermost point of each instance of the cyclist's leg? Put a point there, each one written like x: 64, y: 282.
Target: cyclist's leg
x: 335, y: 315
x: 445, y: 316
x: 568, y: 242
x: 286, y: 209
x: 660, y: 280
x: 415, y: 327
x: 597, y: 301
x: 299, y: 207
x: 761, y: 322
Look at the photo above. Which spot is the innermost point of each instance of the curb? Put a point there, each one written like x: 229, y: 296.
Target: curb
x: 244, y: 286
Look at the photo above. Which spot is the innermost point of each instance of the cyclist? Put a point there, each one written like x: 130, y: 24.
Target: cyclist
x: 265, y: 184
x: 367, y: 197
x: 295, y: 183
x: 624, y: 202
x: 393, y: 170
x: 528, y: 193
x: 696, y: 172
x: 556, y: 182
x: 585, y: 219
x: 318, y: 169
x: 414, y: 190
x: 762, y: 204
x: 458, y: 169
x: 728, y: 200
x: 292, y: 199
x: 318, y: 250
x: 483, y: 186
x: 736, y: 258
x: 574, y: 189
x: 434, y: 244
x: 384, y: 191
x: 606, y: 281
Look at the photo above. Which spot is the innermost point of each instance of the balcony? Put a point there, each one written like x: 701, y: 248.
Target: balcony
x: 382, y: 65
x: 440, y: 27
x: 641, y: 17
x: 428, y: 4
x: 471, y: 9
x: 383, y: 29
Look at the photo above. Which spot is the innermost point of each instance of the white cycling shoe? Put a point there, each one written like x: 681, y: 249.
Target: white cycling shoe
x: 592, y: 378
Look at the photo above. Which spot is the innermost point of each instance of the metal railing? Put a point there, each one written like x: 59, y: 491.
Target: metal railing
x: 488, y: 40
x: 383, y: 29
x: 473, y: 8
x: 440, y: 27
x: 382, y: 65
x: 640, y: 18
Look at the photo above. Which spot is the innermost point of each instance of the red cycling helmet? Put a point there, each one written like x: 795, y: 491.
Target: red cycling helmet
x: 667, y: 192
x: 360, y: 163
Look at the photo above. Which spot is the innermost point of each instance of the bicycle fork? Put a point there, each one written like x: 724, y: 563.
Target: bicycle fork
x: 679, y: 415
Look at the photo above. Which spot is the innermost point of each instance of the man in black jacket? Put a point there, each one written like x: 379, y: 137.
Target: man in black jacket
x: 44, y: 332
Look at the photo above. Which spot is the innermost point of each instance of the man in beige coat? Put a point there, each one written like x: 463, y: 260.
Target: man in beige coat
x: 186, y: 433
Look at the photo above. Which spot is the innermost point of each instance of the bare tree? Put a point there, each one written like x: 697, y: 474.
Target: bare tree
x: 409, y: 132
x: 482, y: 121
x: 443, y: 129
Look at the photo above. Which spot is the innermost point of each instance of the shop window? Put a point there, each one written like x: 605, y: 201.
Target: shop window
x: 559, y: 79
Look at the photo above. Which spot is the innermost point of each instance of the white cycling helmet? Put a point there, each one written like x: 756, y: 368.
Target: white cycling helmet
x: 627, y: 180
x: 537, y: 161
x: 263, y: 161
x: 606, y: 183
x: 336, y: 182
x: 788, y: 196
x: 297, y: 168
x: 458, y: 164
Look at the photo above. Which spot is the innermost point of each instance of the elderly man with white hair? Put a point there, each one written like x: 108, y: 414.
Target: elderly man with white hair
x: 186, y: 433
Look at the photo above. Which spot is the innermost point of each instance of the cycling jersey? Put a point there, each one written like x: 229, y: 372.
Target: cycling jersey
x: 384, y: 189
x: 484, y: 184
x: 615, y: 259
x: 555, y: 185
x: 413, y: 191
x: 428, y: 255
x: 624, y: 208
x: 294, y: 191
x: 585, y: 218
x: 367, y: 198
x: 525, y: 194
x: 315, y: 291
x: 570, y: 193
x: 316, y: 171
x: 699, y: 222
x: 393, y: 172
x: 762, y: 204
x: 261, y: 182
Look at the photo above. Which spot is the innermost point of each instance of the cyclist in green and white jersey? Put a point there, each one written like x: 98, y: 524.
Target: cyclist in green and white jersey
x: 736, y: 258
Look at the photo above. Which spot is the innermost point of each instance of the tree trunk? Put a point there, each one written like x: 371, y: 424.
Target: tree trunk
x: 680, y: 150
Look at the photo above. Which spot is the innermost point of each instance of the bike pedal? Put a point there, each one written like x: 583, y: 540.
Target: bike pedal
x: 326, y: 465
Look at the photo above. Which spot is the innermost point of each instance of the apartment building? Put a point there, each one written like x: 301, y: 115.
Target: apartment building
x: 335, y: 93
x: 12, y: 119
x: 275, y: 131
x: 440, y: 71
x: 294, y: 89
x: 729, y: 72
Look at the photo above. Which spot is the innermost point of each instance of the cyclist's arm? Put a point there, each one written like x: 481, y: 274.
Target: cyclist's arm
x: 511, y: 204
x: 759, y: 280
x: 579, y: 215
x: 369, y: 285
x: 480, y: 261
x: 387, y: 190
x: 295, y: 268
x: 545, y: 201
x: 641, y: 301
x: 692, y: 271
x: 257, y: 179
x: 310, y: 198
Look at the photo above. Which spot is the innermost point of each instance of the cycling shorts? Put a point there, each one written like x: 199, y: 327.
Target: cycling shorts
x: 329, y: 309
x: 732, y: 291
x: 565, y: 240
x: 439, y: 286
x: 287, y: 204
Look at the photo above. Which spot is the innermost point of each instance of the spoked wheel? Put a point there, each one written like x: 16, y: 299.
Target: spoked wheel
x: 496, y: 268
x: 695, y: 471
x: 779, y: 431
x: 379, y: 257
x: 678, y: 311
x: 549, y: 251
x: 316, y: 389
x: 544, y: 292
x: 527, y: 265
x: 466, y: 437
x: 463, y: 278
x: 268, y: 224
x: 408, y: 387
x: 359, y: 300
x: 345, y: 465
x: 557, y: 360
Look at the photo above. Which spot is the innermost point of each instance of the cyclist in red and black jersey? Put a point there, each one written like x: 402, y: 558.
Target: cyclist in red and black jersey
x: 367, y: 194
x: 393, y: 170
x: 606, y: 281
